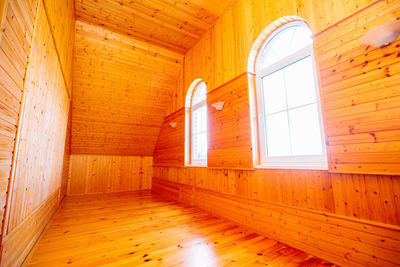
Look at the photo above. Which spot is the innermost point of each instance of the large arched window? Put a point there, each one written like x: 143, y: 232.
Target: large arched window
x: 288, y: 103
x: 197, y: 124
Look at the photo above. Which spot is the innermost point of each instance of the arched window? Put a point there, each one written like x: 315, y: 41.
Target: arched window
x: 288, y: 103
x: 197, y: 124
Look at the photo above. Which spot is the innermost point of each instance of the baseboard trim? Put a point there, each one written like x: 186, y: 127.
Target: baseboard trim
x: 18, y: 243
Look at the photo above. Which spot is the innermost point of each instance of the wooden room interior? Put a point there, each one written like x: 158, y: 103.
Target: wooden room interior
x: 200, y: 132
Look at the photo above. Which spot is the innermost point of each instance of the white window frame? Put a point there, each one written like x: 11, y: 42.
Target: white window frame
x: 203, y: 103
x: 316, y: 162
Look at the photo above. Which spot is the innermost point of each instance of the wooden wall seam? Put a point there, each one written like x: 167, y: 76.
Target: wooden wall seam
x: 16, y: 143
x: 57, y: 51
x: 33, y: 17
x: 36, y: 91
x: 213, y: 90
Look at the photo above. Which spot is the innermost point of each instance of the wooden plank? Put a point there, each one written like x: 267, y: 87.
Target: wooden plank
x: 96, y: 174
x: 328, y: 235
x: 173, y: 25
x: 121, y: 92
x: 176, y: 243
x: 360, y: 93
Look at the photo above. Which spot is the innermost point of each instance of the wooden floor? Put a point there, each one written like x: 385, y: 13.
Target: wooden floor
x: 142, y: 228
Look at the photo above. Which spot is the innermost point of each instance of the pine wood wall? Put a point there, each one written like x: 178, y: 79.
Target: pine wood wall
x: 121, y: 90
x: 15, y: 40
x: 348, y: 218
x: 96, y: 174
x: 170, y: 148
x: 222, y: 53
x: 310, y: 210
x: 36, y: 45
x: 360, y: 90
x: 229, y: 128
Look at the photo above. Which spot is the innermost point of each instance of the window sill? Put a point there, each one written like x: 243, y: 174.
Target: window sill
x: 196, y: 165
x: 293, y: 166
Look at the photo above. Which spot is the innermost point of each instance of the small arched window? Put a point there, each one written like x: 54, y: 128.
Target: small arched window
x: 197, y: 130
x: 288, y: 103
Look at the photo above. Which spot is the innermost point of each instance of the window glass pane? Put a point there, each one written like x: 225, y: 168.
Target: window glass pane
x: 305, y: 130
x: 282, y: 41
x: 200, y: 93
x: 200, y: 146
x: 274, y: 92
x: 285, y: 43
x: 268, y: 57
x: 199, y: 119
x: 277, y: 129
x: 199, y: 133
x: 299, y: 80
x: 302, y: 37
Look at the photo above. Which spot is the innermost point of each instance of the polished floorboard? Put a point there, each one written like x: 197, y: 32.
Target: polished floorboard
x: 145, y: 229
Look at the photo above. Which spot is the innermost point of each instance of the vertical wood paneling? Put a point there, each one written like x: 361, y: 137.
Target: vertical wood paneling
x: 39, y: 156
x: 39, y: 152
x: 61, y: 15
x: 17, y: 20
x: 96, y: 174
x: 17, y: 245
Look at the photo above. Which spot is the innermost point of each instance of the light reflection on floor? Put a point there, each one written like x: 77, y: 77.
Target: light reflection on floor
x: 201, y: 254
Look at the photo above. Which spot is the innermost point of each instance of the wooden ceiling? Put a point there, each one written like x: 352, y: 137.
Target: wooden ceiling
x: 121, y: 91
x: 173, y: 24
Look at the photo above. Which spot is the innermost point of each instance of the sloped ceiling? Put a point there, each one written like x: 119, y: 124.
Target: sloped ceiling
x: 174, y: 24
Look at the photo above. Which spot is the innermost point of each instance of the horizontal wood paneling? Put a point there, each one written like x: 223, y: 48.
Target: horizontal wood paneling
x: 94, y: 174
x: 368, y: 197
x: 229, y: 130
x: 360, y: 87
x: 170, y: 147
x: 120, y: 92
x: 223, y: 52
x: 176, y: 25
x: 294, y: 207
x: 15, y: 40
